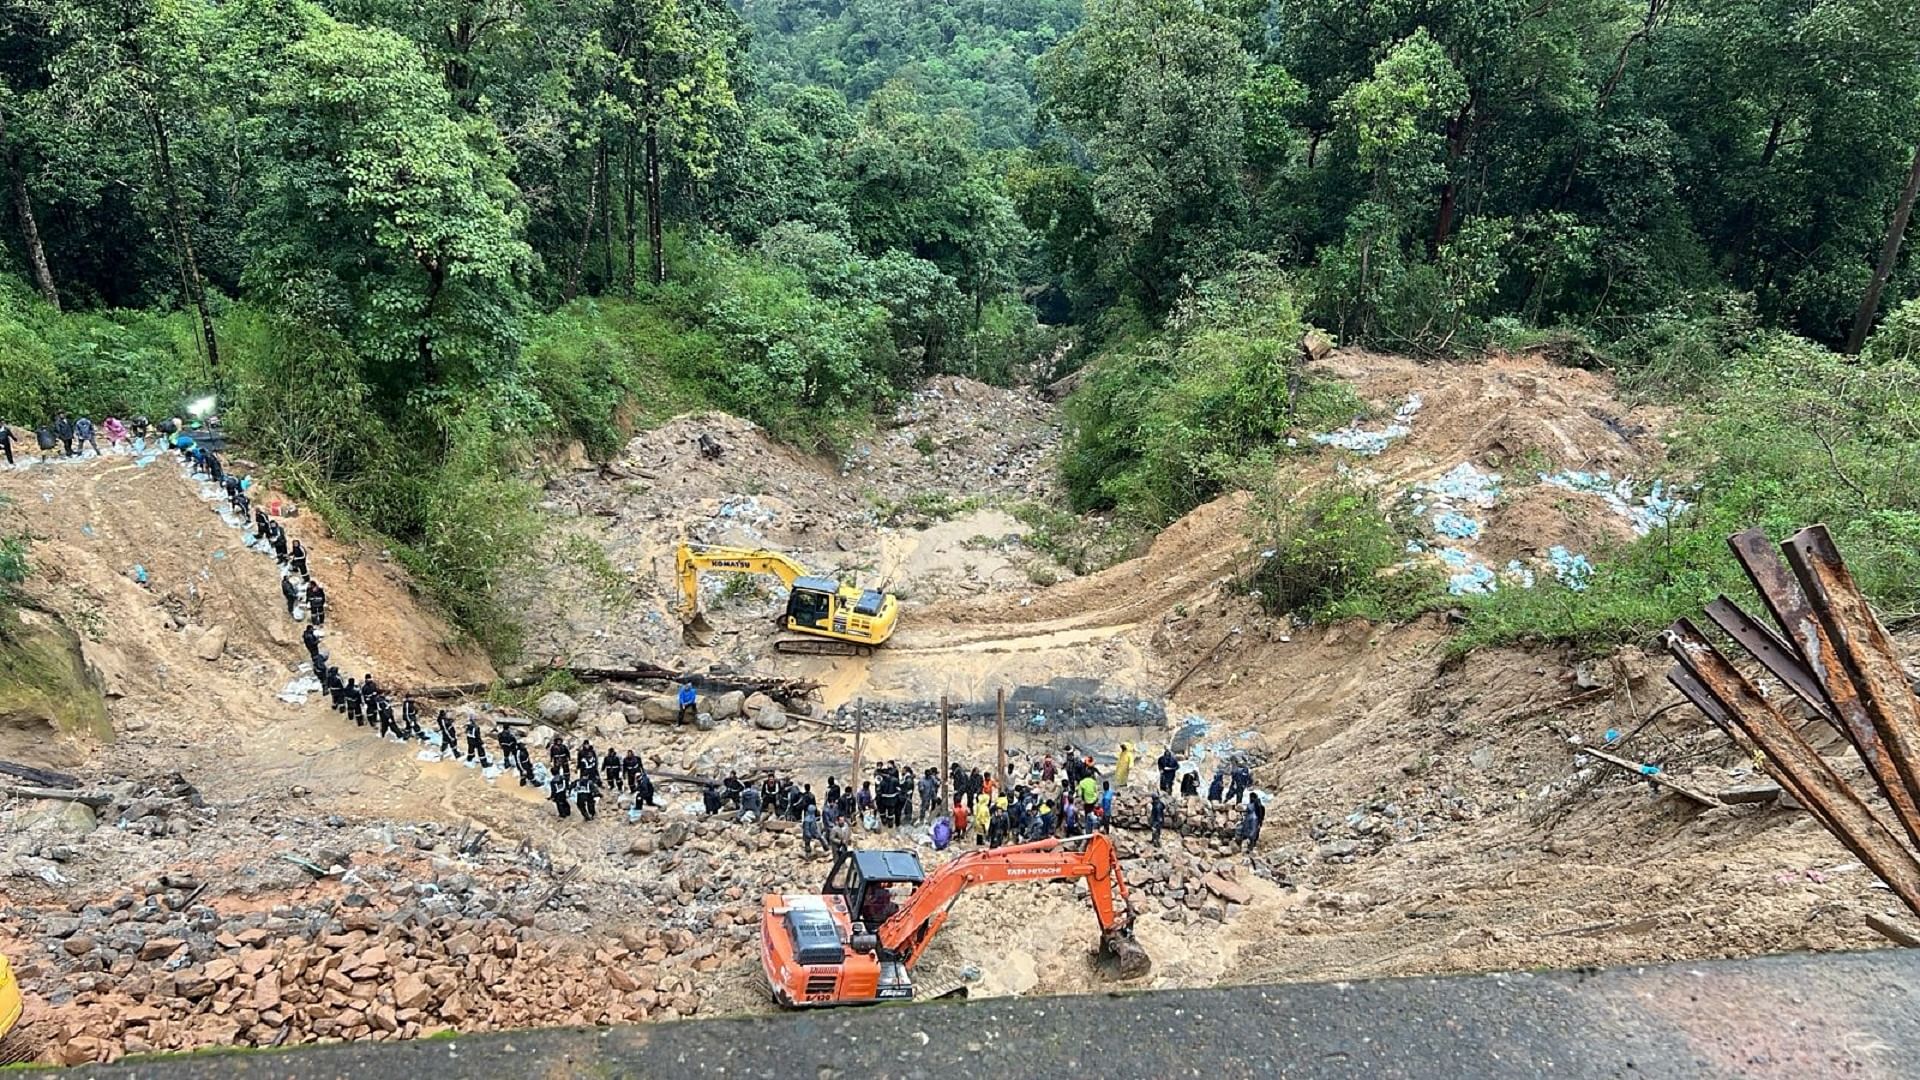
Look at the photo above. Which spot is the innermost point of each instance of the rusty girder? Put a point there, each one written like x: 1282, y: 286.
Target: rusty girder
x: 1832, y: 653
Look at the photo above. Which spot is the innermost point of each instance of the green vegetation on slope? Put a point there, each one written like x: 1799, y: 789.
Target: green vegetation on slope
x: 1790, y: 434
x: 406, y: 239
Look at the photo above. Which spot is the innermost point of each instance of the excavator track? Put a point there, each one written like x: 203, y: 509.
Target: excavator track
x: 821, y: 647
x: 18, y: 1047
x: 940, y: 985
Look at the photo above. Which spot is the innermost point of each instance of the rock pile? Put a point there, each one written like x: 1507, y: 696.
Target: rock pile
x: 1215, y: 824
x: 1052, y: 715
x: 141, y: 976
x: 1186, y: 887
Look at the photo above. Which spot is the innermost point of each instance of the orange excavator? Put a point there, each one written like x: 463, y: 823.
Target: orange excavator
x: 856, y: 941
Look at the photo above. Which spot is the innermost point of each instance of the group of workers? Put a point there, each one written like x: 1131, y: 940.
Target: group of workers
x: 64, y: 436
x: 1017, y: 808
x: 614, y: 771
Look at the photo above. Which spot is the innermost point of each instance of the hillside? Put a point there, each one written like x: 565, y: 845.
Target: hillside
x: 1425, y: 815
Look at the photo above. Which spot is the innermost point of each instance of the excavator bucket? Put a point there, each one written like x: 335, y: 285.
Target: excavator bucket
x: 697, y: 630
x: 1128, y: 959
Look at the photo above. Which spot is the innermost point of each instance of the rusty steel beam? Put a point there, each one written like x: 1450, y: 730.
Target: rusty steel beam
x: 1785, y: 595
x: 1863, y: 654
x: 1691, y: 689
x: 1722, y: 716
x: 1779, y: 658
x: 1803, y: 772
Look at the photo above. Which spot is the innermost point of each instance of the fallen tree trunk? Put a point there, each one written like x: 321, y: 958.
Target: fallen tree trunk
x: 60, y: 795
x: 41, y: 777
x: 787, y: 689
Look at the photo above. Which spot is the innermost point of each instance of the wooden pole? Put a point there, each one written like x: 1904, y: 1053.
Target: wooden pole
x: 946, y: 796
x: 859, y: 725
x: 1000, y: 736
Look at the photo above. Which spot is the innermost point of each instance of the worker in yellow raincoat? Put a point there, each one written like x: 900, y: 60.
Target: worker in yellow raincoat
x: 1125, y: 766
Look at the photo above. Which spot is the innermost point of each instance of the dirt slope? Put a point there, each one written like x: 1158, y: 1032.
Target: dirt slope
x: 1424, y: 815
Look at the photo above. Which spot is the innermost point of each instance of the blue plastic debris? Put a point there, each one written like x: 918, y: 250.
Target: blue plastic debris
x: 139, y: 574
x: 1613, y: 734
x: 1456, y: 525
x: 86, y: 531
x: 1649, y: 770
x: 1573, y: 571
x: 1644, y: 513
x: 1359, y: 440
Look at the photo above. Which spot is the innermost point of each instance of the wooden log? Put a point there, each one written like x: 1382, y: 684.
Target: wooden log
x: 1659, y: 778
x: 97, y: 801
x: 1896, y: 932
x: 39, y: 777
x: 1205, y: 659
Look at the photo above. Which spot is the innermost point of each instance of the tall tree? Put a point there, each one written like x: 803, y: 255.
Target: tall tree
x: 1889, y: 256
x: 674, y: 88
x: 13, y: 160
x: 379, y: 212
x: 1151, y: 91
x: 143, y: 60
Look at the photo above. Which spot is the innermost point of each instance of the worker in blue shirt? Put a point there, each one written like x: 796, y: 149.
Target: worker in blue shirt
x: 686, y: 702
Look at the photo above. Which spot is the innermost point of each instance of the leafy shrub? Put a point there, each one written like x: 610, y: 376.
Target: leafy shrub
x: 1792, y: 434
x: 1332, y: 553
x: 110, y: 363
x: 1167, y: 421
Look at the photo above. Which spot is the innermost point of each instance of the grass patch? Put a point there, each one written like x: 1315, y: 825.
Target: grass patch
x: 924, y: 508
x: 1331, y: 554
x: 1083, y: 545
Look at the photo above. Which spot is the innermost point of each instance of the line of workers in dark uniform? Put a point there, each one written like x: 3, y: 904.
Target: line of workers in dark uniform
x: 367, y: 703
x: 297, y: 585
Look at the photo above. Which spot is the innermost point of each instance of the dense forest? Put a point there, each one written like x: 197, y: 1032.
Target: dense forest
x: 406, y: 242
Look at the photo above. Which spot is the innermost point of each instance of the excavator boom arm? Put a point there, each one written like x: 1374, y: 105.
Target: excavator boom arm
x: 691, y: 560
x: 908, y: 931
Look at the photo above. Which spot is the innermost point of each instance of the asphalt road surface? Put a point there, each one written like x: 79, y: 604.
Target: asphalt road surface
x: 1846, y: 1014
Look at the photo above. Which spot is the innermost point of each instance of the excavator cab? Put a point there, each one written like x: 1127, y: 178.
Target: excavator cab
x: 810, y: 605
x: 835, y: 619
x: 875, y: 885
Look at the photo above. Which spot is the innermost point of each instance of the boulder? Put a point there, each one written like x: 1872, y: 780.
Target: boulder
x: 212, y: 644
x: 673, y: 834
x: 704, y: 721
x: 539, y: 737
x: 1227, y: 890
x: 557, y: 708
x: 410, y: 991
x: 659, y: 709
x: 66, y: 818
x: 728, y: 705
x: 754, y: 703
x: 611, y: 724
x: 770, y: 717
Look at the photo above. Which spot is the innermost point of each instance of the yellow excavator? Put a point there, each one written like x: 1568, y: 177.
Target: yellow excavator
x: 839, y: 620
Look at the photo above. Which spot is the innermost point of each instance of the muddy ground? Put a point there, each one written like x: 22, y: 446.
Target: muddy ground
x: 1425, y: 815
